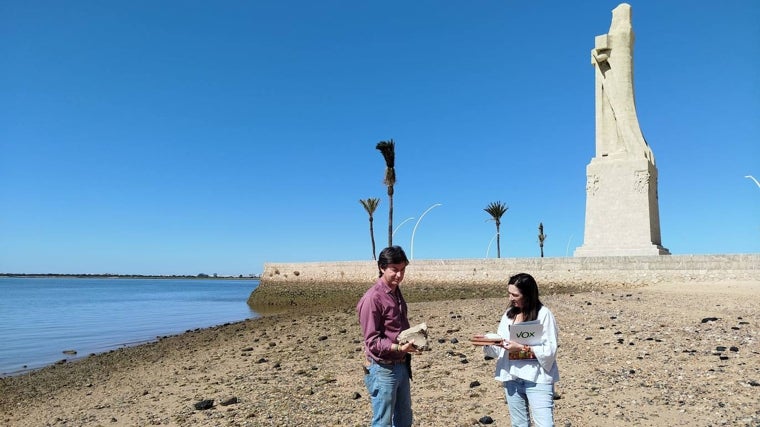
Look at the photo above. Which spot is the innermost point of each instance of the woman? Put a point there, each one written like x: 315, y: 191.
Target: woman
x: 528, y: 382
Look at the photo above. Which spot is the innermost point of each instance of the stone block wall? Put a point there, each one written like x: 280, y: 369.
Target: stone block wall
x: 315, y: 283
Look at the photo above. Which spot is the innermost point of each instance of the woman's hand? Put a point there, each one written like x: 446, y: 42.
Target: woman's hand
x: 509, y: 345
x: 512, y: 346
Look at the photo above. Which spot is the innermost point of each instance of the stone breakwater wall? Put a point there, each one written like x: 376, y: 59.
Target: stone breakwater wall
x: 335, y: 283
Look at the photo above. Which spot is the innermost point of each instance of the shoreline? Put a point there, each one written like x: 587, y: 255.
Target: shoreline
x: 295, y: 368
x: 97, y: 315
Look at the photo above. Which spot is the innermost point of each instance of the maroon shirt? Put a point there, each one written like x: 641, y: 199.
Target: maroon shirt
x: 382, y: 316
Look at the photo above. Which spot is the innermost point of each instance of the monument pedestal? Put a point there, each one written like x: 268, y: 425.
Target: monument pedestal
x: 622, y: 210
x: 622, y: 214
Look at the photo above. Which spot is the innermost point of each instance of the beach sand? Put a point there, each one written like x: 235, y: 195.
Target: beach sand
x: 671, y: 354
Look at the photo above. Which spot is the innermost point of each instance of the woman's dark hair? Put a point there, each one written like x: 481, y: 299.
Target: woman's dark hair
x: 391, y: 255
x: 529, y: 290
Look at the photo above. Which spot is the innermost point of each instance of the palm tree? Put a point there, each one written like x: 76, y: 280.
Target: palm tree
x: 370, y: 205
x: 541, y: 237
x: 388, y: 149
x: 496, y: 210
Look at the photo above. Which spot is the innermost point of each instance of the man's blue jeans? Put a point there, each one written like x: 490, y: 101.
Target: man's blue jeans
x: 522, y: 394
x: 389, y: 392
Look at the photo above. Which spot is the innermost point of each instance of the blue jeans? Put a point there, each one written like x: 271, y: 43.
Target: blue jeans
x: 523, y: 394
x: 390, y: 394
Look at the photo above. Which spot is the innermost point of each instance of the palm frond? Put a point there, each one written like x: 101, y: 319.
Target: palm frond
x: 496, y: 210
x: 370, y: 205
x: 388, y: 150
x: 390, y: 177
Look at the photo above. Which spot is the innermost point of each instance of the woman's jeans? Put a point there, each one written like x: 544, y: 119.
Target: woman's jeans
x: 389, y: 392
x: 523, y: 394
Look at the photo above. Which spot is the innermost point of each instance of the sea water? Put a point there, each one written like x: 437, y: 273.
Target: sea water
x: 40, y: 318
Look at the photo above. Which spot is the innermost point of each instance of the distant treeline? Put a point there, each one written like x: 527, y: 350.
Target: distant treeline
x: 127, y: 276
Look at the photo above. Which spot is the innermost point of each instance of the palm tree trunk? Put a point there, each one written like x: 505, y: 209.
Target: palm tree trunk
x: 498, y: 241
x: 372, y: 236
x: 390, y: 215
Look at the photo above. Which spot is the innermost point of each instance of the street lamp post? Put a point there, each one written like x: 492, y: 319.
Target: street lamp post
x: 418, y: 223
x: 567, y: 249
x: 489, y: 244
x: 402, y: 223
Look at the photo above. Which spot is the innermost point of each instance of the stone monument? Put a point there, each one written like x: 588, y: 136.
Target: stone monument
x: 622, y: 210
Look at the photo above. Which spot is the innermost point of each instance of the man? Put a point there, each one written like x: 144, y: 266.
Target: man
x: 383, y: 315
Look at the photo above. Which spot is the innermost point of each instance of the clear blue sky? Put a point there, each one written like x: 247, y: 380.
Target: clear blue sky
x: 185, y: 137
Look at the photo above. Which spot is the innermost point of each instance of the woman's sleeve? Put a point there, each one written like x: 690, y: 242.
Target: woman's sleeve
x: 546, y: 353
x: 495, y: 351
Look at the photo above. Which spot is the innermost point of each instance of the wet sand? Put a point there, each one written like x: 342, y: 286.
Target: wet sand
x: 675, y: 354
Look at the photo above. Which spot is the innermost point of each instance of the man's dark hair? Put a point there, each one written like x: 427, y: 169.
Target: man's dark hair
x: 391, y: 255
